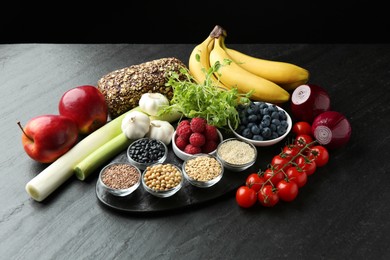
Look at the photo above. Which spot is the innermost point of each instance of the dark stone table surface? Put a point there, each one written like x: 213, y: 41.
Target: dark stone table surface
x: 342, y: 213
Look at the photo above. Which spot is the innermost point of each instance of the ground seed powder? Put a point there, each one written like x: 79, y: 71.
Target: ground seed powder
x: 236, y: 152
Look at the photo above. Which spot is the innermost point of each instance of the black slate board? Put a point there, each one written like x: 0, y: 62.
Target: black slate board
x: 140, y: 201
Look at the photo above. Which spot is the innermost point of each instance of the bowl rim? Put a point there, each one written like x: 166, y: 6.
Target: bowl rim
x: 248, y: 164
x: 203, y: 184
x: 266, y: 142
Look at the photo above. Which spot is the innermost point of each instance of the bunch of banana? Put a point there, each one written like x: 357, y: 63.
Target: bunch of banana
x: 269, y: 80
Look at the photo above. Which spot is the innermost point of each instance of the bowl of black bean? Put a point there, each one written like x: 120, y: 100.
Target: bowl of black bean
x: 146, y: 151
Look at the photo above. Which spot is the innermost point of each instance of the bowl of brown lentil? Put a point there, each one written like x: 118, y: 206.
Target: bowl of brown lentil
x: 236, y: 154
x: 119, y: 178
x: 162, y: 179
x: 202, y: 170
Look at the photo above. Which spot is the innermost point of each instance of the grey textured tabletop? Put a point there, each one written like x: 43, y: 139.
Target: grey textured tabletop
x: 342, y: 212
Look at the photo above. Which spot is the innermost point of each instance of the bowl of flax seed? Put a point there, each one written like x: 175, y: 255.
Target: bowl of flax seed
x: 236, y: 154
x: 120, y: 178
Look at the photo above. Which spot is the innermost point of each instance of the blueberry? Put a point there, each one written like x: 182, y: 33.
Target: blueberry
x: 252, y: 118
x: 258, y: 138
x: 284, y: 123
x: 255, y: 130
x: 266, y: 132
x: 282, y: 115
x: 281, y: 130
x: 272, y: 127
x: 247, y: 133
x: 267, y: 117
x: 265, y: 123
x: 275, y: 122
x: 275, y: 115
x: 274, y: 135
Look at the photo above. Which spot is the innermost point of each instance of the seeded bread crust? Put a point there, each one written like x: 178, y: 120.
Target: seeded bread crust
x: 124, y: 87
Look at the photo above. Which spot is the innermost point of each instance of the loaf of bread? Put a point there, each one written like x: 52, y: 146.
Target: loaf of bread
x: 124, y: 87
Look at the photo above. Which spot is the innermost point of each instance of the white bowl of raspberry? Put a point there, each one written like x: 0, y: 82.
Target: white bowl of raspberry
x: 200, y: 138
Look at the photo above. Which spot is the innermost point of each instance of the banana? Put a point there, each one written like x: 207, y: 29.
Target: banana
x: 233, y: 75
x: 199, y: 63
x: 287, y: 75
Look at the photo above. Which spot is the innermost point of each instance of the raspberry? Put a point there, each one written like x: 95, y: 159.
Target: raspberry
x: 197, y: 139
x: 209, y: 146
x: 190, y: 149
x: 180, y: 142
x: 211, y: 133
x: 198, y: 124
x: 184, y: 131
x: 184, y: 122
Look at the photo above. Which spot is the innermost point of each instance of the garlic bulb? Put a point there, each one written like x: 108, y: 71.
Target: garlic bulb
x: 151, y: 103
x: 161, y: 130
x: 135, y: 125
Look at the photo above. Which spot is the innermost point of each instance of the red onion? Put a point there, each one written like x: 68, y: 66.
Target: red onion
x: 331, y: 129
x: 308, y: 101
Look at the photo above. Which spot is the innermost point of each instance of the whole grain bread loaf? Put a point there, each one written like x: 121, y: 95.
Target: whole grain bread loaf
x: 124, y: 87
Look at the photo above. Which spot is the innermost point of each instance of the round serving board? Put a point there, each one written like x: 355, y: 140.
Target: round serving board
x: 142, y: 202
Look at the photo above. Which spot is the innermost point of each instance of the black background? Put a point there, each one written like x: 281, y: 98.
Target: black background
x: 189, y: 21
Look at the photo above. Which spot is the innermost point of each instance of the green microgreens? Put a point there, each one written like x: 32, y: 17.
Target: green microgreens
x: 192, y: 99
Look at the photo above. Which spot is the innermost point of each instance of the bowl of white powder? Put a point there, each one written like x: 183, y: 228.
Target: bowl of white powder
x: 236, y: 154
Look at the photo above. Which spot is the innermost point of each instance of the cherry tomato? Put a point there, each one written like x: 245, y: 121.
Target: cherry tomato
x: 309, y: 166
x: 268, y: 196
x: 246, y: 197
x: 279, y: 161
x: 302, y: 140
x: 319, y: 154
x: 274, y: 176
x: 254, y: 181
x: 287, y: 190
x: 290, y: 150
x: 297, y: 175
x: 301, y: 127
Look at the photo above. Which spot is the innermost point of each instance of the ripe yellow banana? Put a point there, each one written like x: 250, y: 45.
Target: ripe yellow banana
x: 199, y: 63
x: 233, y: 75
x: 287, y: 75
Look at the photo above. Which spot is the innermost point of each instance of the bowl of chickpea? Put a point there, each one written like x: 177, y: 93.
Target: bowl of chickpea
x: 162, y: 179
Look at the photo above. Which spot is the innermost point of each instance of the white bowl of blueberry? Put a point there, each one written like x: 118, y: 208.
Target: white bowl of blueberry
x: 262, y: 123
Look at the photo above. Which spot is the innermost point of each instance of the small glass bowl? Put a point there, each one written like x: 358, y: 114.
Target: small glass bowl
x: 236, y: 167
x: 140, y: 165
x: 121, y: 192
x: 162, y: 193
x: 202, y: 171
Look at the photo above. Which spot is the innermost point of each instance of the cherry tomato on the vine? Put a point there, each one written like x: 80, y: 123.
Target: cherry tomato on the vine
x: 301, y: 127
x: 297, y: 175
x: 254, y: 181
x: 319, y: 154
x: 268, y: 196
x: 274, y: 176
x: 279, y: 161
x: 287, y: 190
x: 309, y: 166
x: 302, y: 140
x: 290, y: 150
x: 246, y: 197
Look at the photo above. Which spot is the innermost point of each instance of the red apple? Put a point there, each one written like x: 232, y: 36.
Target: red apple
x: 87, y: 106
x: 46, y: 137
